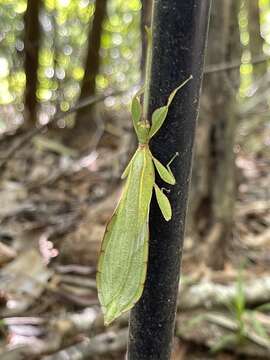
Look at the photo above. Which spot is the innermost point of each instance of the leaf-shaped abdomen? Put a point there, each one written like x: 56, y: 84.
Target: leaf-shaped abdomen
x: 122, y: 262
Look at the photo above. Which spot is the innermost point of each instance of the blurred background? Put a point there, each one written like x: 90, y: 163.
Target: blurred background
x: 68, y: 70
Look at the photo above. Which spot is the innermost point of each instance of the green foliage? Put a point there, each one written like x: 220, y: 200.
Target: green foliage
x: 238, y: 309
x: 247, y: 68
x: 65, y: 27
x: 11, y: 46
x: 243, y: 324
x: 245, y: 318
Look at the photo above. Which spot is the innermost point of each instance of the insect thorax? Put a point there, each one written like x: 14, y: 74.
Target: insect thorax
x: 143, y: 132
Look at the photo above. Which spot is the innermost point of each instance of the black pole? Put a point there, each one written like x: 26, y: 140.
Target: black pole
x: 179, y: 38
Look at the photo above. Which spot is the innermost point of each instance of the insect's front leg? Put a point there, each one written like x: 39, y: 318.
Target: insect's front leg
x: 165, y: 172
x: 169, y: 163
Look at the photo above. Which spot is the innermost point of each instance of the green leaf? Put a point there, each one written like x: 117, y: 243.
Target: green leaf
x: 163, y: 203
x: 224, y: 342
x: 164, y: 173
x: 158, y: 117
x: 239, y: 300
x: 264, y: 307
x: 258, y: 327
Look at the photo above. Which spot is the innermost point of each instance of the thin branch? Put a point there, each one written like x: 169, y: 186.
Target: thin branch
x: 24, y: 139
x: 234, y: 64
x: 102, y: 344
x: 96, y: 99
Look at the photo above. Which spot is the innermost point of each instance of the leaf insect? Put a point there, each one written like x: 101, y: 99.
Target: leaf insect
x: 122, y: 263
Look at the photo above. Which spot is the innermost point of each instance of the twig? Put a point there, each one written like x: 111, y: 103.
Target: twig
x: 31, y: 133
x: 234, y: 64
x: 212, y: 328
x: 103, y: 344
x: 74, y: 268
x: 210, y: 295
x: 232, y: 325
x: 84, y: 282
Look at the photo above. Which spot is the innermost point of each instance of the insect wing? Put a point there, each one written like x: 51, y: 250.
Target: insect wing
x: 122, y: 262
x: 132, y: 284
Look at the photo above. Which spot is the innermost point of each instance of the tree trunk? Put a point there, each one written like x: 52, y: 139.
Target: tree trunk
x: 31, y: 43
x: 84, y: 125
x: 213, y: 181
x: 255, y: 39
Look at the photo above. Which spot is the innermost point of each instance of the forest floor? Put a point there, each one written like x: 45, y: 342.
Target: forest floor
x: 55, y: 203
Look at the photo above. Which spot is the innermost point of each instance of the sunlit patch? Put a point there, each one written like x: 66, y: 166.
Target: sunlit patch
x: 12, y: 304
x: 84, y: 3
x: 47, y: 249
x: 4, y: 68
x: 109, y: 101
x: 88, y: 161
x: 20, y: 7
x: 63, y: 3
x: 5, y: 96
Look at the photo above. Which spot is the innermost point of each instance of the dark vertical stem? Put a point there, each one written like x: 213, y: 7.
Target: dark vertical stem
x: 92, y: 63
x: 31, y: 43
x: 179, y: 38
x: 221, y: 119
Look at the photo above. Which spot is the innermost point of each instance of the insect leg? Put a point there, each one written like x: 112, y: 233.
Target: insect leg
x: 172, y: 159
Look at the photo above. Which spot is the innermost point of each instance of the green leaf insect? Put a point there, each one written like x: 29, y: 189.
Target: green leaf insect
x: 123, y: 257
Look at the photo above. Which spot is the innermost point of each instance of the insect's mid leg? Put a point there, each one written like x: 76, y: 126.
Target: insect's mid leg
x: 166, y: 190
